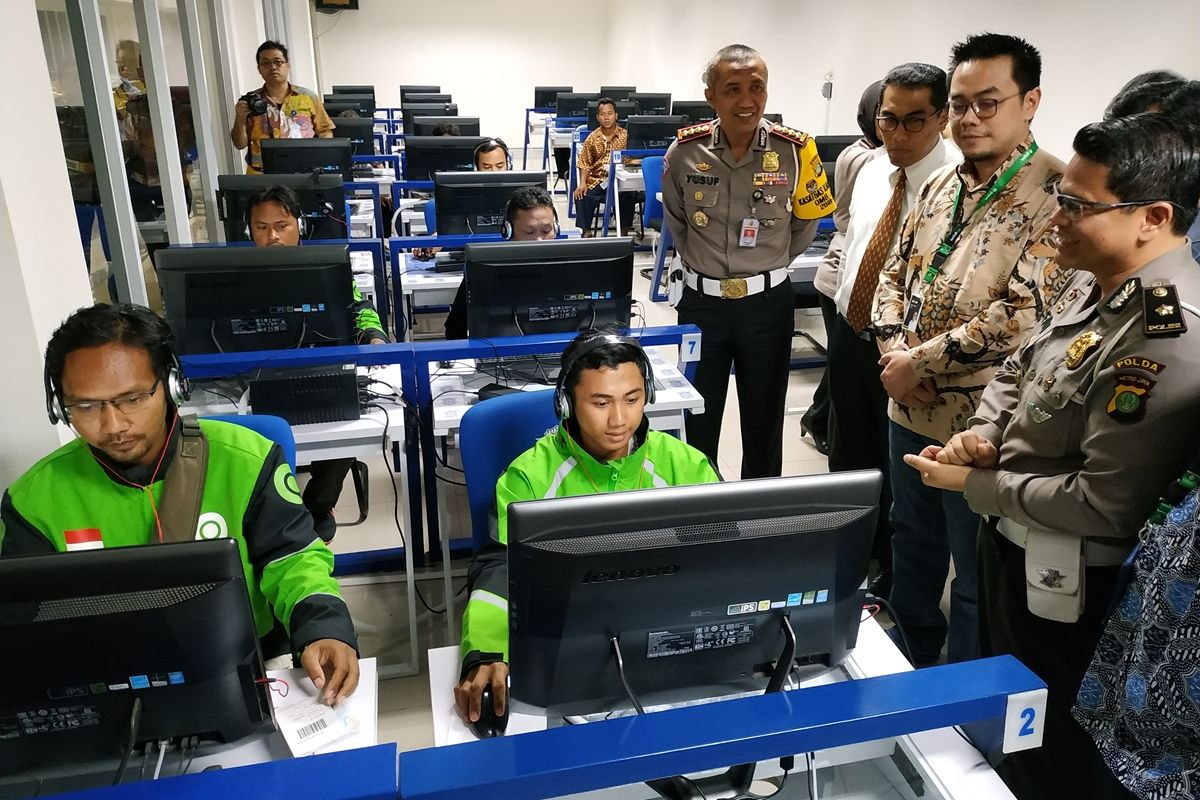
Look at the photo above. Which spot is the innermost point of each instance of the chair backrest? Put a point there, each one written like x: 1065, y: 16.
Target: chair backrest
x: 493, y: 433
x: 652, y: 174
x: 430, y: 217
x: 271, y: 427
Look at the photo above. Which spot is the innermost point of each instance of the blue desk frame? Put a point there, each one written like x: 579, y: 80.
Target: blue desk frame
x: 545, y: 136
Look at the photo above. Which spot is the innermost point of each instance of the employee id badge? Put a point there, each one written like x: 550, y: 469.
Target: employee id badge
x: 912, y: 314
x: 749, y: 237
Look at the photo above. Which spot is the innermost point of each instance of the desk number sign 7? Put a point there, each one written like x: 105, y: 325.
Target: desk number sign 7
x: 1024, y: 718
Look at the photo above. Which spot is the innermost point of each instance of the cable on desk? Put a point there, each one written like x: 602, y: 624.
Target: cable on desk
x: 162, y: 754
x: 135, y: 719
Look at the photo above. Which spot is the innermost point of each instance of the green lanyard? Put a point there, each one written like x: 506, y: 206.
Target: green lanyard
x: 958, y: 224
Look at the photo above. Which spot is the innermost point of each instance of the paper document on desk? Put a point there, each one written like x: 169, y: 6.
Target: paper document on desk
x: 311, y: 728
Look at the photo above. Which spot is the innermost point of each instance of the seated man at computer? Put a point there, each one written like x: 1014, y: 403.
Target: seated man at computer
x: 530, y: 216
x: 603, y: 444
x: 139, y: 474
x: 592, y: 161
x: 274, y: 220
x: 490, y: 156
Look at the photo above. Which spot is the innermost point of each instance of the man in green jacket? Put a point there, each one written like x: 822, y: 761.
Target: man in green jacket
x: 603, y: 444
x: 112, y: 374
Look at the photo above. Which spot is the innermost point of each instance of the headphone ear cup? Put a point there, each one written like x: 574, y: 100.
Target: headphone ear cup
x: 562, y: 406
x: 506, y: 231
x: 302, y: 225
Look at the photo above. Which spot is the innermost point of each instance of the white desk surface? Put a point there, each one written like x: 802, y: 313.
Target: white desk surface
x: 420, y: 280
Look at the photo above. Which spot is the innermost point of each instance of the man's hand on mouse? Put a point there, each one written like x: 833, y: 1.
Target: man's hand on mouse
x: 468, y: 693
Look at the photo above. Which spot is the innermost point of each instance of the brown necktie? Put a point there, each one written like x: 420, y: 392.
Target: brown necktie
x: 858, y: 313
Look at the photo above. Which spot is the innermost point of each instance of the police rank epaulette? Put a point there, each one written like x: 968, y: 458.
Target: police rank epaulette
x: 1162, y: 313
x: 791, y: 134
x: 693, y: 131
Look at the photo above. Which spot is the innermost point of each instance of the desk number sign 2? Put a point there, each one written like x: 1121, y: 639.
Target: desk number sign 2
x: 1024, y: 718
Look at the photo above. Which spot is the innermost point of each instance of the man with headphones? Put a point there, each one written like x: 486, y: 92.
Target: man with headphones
x: 602, y: 444
x: 140, y: 474
x: 491, y: 155
x: 530, y: 216
x: 273, y: 218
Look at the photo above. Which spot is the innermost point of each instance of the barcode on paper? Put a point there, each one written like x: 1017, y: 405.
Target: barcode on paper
x: 309, y: 730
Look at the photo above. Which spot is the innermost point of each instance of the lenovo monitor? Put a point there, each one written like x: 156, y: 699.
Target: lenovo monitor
x: 158, y: 638
x: 358, y: 88
x: 235, y: 299
x: 429, y: 97
x: 651, y: 102
x: 704, y: 588
x: 359, y: 130
x: 413, y: 88
x: 414, y: 110
x: 555, y: 286
x: 474, y: 202
x: 308, y: 157
x: 693, y: 111
x: 648, y: 132
x: 425, y: 126
x: 425, y: 155
x: 617, y: 92
x: 829, y: 148
x: 574, y: 105
x: 546, y: 97
x: 322, y: 203
x: 625, y: 110
x: 364, y: 104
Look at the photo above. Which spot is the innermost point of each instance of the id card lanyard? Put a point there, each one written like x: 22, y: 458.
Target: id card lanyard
x: 957, y: 226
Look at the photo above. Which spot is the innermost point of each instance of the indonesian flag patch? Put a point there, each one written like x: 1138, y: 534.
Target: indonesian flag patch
x: 83, y: 539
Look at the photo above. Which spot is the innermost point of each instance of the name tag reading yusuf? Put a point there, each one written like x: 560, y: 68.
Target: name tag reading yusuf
x: 749, y: 237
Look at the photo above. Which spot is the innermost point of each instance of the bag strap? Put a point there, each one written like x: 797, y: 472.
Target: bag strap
x: 183, y: 485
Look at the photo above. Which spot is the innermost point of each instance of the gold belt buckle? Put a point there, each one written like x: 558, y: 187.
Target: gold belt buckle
x: 733, y: 288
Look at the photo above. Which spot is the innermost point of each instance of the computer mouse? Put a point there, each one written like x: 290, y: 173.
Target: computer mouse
x: 489, y: 723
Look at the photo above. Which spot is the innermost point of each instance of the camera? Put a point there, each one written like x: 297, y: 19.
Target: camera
x: 257, y: 104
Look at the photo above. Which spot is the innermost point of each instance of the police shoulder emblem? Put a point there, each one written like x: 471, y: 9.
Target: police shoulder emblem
x: 693, y: 132
x: 791, y: 134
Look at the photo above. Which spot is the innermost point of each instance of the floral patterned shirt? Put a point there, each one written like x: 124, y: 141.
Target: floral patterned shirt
x: 988, y: 296
x: 594, y: 154
x: 299, y: 116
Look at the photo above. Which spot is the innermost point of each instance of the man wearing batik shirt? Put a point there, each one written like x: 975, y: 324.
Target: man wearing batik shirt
x: 970, y: 278
x: 292, y: 112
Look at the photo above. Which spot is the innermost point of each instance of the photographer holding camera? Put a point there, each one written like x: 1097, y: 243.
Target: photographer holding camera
x: 278, y: 110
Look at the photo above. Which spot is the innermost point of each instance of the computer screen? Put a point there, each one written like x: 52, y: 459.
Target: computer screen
x: 414, y: 110
x: 547, y: 96
x: 651, y: 132
x: 575, y: 104
x: 425, y: 155
x: 423, y: 126
x: 308, y: 156
x: 364, y: 104
x: 693, y: 111
x: 625, y: 110
x: 474, y: 202
x: 429, y: 97
x: 555, y: 286
x: 829, y: 148
x: 88, y: 633
x: 778, y: 118
x: 235, y: 299
x: 359, y: 130
x: 694, y: 582
x: 652, y: 102
x: 617, y: 92
x: 417, y: 88
x: 358, y: 88
x: 322, y: 203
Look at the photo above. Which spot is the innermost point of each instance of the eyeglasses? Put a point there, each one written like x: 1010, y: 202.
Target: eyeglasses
x: 911, y: 124
x: 1076, y: 208
x: 277, y: 63
x: 129, y: 405
x: 984, y: 109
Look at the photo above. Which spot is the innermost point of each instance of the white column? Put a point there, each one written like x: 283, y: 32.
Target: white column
x: 202, y: 118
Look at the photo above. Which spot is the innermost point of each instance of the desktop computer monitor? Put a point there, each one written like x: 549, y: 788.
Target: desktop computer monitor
x: 555, y: 286
x: 625, y: 110
x: 617, y: 92
x: 474, y: 202
x: 694, y: 583
x: 364, y: 104
x: 235, y: 299
x: 693, y: 111
x: 547, y: 96
x: 359, y: 130
x: 423, y: 126
x: 829, y: 148
x: 308, y: 157
x: 358, y: 88
x: 322, y: 203
x: 414, y: 110
x: 416, y: 88
x: 425, y: 155
x: 429, y: 97
x: 160, y: 637
x: 575, y: 104
x: 777, y: 118
x: 647, y: 132
x: 651, y: 102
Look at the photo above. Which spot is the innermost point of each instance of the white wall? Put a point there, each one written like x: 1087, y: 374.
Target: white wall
x: 490, y: 59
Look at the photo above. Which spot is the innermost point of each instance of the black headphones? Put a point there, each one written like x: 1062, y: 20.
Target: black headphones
x: 161, y: 345
x: 489, y: 145
x: 563, y: 402
x: 510, y: 211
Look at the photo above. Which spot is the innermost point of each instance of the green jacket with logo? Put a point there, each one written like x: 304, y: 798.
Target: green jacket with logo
x: 557, y: 466
x: 250, y: 495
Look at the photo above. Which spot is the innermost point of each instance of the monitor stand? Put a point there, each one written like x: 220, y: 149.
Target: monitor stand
x: 735, y: 781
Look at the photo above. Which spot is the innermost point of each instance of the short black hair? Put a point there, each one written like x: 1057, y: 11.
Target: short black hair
x: 608, y: 356
x: 606, y: 101
x: 1143, y: 92
x: 271, y: 45
x: 1149, y: 157
x: 446, y: 129
x: 105, y: 323
x: 487, y: 146
x: 916, y: 75
x: 274, y: 194
x: 1026, y: 60
x: 528, y: 198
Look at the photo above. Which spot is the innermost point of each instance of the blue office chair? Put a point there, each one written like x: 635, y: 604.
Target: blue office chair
x: 652, y: 210
x: 493, y: 433
x: 430, y: 217
x: 271, y: 427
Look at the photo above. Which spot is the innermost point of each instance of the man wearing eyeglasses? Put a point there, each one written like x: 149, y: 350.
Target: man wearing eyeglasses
x: 1086, y: 425
x: 910, y: 118
x: 287, y: 111
x: 966, y: 284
